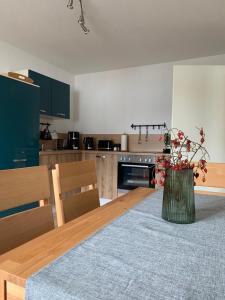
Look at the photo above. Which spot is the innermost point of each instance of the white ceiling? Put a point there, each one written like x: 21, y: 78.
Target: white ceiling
x: 123, y: 33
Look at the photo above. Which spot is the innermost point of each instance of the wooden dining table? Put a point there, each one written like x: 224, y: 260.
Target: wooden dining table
x: 17, y: 265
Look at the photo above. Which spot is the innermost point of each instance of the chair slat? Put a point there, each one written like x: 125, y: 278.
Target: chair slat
x: 23, y: 186
x: 77, y: 174
x: 22, y: 227
x: 80, y: 204
x: 67, y: 179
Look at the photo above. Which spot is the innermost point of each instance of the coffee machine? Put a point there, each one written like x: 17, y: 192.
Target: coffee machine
x: 73, y: 140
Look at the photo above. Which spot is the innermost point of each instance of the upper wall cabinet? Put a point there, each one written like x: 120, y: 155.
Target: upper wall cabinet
x: 45, y: 90
x: 55, y: 95
x: 60, y: 99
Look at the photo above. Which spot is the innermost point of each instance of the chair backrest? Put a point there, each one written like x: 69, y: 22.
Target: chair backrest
x: 215, y: 179
x: 19, y: 187
x: 73, y: 177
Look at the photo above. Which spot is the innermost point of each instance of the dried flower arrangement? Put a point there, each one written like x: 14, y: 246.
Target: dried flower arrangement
x: 183, y: 152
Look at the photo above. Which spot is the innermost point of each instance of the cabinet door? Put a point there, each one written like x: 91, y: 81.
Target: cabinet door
x: 71, y: 157
x: 19, y: 124
x: 106, y: 168
x: 6, y: 156
x: 45, y: 92
x: 60, y: 99
x: 107, y: 175
x: 94, y: 156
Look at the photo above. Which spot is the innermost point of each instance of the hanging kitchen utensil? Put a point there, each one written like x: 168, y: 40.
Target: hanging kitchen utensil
x: 146, y: 135
x: 139, y: 137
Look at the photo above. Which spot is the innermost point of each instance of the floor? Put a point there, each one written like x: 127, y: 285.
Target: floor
x: 104, y: 201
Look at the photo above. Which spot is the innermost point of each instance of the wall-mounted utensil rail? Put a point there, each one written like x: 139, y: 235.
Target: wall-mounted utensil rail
x: 153, y: 126
x: 146, y: 126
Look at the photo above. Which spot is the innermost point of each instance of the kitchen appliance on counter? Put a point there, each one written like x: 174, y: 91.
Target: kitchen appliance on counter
x: 73, y: 140
x: 135, y: 171
x: 45, y: 133
x: 116, y: 147
x: 124, y: 142
x: 88, y: 143
x: 105, y: 145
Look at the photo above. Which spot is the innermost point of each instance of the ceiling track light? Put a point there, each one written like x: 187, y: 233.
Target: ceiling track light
x: 70, y: 4
x: 81, y: 20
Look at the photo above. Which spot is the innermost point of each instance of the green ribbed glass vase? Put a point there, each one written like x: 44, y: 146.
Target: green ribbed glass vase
x: 178, y: 198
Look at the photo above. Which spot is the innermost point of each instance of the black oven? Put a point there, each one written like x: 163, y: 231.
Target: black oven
x: 135, y: 171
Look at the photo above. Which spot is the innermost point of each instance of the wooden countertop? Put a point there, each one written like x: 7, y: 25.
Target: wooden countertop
x: 19, y: 264
x: 54, y: 152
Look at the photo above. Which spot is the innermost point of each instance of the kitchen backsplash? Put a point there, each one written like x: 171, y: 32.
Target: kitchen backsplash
x: 152, y: 143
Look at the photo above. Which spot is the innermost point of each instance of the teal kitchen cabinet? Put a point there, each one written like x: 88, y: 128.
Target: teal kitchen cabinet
x: 45, y: 92
x: 60, y: 99
x: 55, y: 95
x: 19, y: 128
x: 19, y: 124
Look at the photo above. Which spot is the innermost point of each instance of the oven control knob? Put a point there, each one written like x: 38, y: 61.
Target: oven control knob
x: 146, y: 160
x: 149, y: 160
x: 140, y: 159
x: 129, y: 158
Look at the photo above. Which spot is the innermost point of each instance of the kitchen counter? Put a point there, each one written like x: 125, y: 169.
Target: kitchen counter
x: 53, y: 152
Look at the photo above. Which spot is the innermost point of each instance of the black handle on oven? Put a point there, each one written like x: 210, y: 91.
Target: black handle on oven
x: 135, y: 166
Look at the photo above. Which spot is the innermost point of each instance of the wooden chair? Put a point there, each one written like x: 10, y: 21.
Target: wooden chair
x: 68, y: 177
x: 215, y: 180
x: 19, y: 187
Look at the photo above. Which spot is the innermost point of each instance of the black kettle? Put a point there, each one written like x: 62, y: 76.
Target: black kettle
x: 88, y: 143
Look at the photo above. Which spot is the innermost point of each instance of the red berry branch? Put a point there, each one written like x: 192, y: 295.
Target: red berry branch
x: 183, y: 152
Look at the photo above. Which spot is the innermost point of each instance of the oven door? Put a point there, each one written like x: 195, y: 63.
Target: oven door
x: 133, y: 175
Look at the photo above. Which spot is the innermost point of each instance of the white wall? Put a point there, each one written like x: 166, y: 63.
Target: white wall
x: 111, y: 101
x: 199, y: 100
x: 108, y: 102
x: 12, y: 59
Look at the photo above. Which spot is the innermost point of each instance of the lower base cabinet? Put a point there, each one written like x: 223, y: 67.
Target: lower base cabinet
x: 50, y: 160
x: 106, y: 167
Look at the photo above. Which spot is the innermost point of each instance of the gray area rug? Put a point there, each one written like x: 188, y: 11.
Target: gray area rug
x: 140, y: 256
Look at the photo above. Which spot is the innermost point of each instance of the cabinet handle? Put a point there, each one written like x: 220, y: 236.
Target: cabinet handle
x: 20, y: 160
x: 43, y: 111
x: 135, y: 166
x: 61, y: 115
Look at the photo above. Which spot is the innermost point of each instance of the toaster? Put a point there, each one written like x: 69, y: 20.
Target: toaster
x: 105, y: 145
